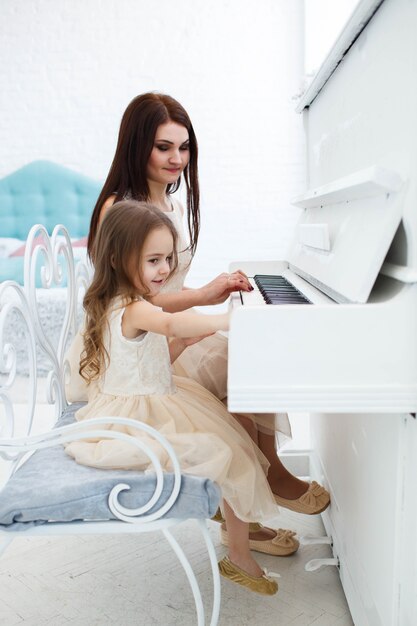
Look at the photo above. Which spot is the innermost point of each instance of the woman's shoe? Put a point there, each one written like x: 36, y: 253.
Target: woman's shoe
x: 315, y: 500
x: 261, y: 584
x: 283, y: 544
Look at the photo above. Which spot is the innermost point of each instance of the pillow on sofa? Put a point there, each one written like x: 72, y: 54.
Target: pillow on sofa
x: 8, y: 246
x: 20, y: 251
x: 80, y: 243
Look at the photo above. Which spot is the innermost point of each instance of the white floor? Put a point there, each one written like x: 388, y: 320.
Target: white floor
x: 137, y: 580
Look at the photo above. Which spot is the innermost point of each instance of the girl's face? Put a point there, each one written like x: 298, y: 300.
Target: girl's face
x: 156, y: 259
x: 170, y: 154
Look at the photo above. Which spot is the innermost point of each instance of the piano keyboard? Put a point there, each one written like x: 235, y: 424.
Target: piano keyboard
x: 278, y: 290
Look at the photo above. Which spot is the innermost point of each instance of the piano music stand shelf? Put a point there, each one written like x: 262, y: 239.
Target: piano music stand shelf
x: 344, y: 233
x: 366, y: 183
x: 399, y: 272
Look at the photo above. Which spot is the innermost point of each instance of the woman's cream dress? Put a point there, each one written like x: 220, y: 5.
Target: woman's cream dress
x: 208, y: 441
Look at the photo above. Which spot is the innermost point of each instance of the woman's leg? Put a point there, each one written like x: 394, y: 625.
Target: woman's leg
x: 264, y: 533
x: 281, y: 481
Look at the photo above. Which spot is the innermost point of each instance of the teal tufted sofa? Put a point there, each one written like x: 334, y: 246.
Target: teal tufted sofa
x: 46, y: 193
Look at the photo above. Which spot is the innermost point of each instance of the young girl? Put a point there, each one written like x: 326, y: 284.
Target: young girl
x: 134, y: 256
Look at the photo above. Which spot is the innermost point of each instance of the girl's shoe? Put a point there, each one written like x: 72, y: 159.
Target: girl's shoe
x: 283, y: 544
x: 315, y: 500
x: 261, y: 584
x: 218, y: 517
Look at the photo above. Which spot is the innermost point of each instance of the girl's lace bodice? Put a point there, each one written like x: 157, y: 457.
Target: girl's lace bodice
x: 138, y: 366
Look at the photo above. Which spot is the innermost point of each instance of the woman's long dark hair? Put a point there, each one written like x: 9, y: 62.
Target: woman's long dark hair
x: 127, y: 173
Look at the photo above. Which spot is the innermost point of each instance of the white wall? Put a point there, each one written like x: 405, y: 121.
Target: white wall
x: 68, y: 69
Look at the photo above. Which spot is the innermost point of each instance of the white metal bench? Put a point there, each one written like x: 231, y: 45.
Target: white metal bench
x: 45, y: 492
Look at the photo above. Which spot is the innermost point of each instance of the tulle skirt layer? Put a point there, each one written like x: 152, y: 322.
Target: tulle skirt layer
x: 206, y: 363
x: 208, y: 442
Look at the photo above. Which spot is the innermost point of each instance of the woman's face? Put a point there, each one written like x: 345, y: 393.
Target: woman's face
x: 170, y: 154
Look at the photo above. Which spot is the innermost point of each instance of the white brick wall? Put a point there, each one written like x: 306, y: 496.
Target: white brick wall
x: 68, y: 68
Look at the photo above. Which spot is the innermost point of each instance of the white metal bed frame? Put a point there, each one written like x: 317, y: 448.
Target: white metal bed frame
x: 54, y: 253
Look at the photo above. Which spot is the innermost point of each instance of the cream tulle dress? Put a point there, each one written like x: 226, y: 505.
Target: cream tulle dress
x: 208, y: 441
x: 206, y: 361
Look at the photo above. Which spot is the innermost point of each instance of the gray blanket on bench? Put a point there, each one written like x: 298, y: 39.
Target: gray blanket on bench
x: 52, y: 487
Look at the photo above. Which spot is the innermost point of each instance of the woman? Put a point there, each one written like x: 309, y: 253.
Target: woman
x: 157, y: 147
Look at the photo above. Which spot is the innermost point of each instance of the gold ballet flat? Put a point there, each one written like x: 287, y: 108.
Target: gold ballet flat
x: 283, y: 544
x: 254, y: 527
x: 218, y: 517
x: 315, y: 500
x: 260, y: 584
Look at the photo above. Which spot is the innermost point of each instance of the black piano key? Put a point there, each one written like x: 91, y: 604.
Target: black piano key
x: 270, y: 300
x: 278, y: 290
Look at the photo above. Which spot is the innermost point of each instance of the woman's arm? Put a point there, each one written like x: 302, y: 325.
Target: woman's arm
x: 215, y: 292
x: 178, y: 345
x: 106, y: 205
x: 176, y: 348
x: 186, y: 324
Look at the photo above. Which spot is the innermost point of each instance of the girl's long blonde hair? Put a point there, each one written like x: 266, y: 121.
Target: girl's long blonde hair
x: 117, y: 257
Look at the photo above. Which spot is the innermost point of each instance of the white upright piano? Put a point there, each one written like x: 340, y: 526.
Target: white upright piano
x: 335, y: 334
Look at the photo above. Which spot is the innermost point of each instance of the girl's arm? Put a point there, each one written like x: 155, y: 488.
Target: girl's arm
x: 144, y: 316
x: 215, y: 292
x: 178, y: 300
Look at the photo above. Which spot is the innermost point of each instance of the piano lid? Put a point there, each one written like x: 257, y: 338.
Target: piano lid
x: 345, y: 231
x: 362, y: 14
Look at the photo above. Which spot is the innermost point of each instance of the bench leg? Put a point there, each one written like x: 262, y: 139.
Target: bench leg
x: 191, y: 576
x: 214, y: 570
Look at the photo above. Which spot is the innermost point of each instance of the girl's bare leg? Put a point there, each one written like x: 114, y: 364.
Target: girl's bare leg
x: 265, y: 533
x: 239, y: 552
